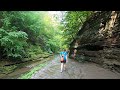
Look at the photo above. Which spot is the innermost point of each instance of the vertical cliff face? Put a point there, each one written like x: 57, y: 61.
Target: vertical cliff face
x: 99, y: 40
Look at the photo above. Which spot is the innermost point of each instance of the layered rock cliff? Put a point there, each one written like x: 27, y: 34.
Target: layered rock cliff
x: 99, y: 40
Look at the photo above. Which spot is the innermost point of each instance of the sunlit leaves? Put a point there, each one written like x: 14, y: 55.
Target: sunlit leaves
x: 72, y: 23
x: 18, y: 28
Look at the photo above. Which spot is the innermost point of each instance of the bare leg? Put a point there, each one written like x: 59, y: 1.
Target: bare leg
x: 61, y: 67
x: 64, y: 66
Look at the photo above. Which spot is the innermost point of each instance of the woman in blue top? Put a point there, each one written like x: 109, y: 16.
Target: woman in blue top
x: 63, y: 63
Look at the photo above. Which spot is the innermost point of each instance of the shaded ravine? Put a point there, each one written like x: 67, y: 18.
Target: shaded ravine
x: 24, y: 68
x: 74, y: 70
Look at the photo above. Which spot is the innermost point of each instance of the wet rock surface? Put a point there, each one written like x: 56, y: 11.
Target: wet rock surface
x: 98, y: 40
x: 74, y: 70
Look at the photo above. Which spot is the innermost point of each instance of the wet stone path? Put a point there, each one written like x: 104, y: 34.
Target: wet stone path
x: 74, y: 70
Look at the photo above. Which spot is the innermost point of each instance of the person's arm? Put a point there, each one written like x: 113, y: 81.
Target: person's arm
x: 60, y: 55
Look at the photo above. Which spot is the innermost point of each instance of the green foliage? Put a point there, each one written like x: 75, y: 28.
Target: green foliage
x: 72, y: 23
x: 13, y: 43
x: 7, y: 69
x: 51, y: 36
x: 32, y: 51
x: 18, y: 28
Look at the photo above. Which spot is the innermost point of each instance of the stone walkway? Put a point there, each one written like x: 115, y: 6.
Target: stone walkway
x: 74, y: 70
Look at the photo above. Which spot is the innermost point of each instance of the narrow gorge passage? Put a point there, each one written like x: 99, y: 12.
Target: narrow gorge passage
x: 74, y: 70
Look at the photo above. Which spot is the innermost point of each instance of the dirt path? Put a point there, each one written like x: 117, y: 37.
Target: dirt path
x: 74, y: 70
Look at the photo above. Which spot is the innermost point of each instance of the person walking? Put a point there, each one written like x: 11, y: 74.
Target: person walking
x: 74, y: 54
x: 63, y: 56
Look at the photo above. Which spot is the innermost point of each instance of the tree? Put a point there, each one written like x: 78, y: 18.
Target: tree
x: 72, y: 23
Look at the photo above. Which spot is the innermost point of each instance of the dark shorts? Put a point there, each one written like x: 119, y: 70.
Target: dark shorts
x: 63, y: 61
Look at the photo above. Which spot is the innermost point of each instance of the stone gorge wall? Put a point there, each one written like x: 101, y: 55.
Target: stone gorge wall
x: 99, y: 40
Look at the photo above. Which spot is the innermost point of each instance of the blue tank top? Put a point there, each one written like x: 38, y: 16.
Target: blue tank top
x: 64, y: 53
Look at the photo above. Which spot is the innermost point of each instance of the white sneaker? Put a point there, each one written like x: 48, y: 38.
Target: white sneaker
x: 60, y: 71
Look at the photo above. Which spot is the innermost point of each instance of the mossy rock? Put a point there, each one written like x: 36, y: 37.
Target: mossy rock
x: 7, y: 69
x: 82, y: 58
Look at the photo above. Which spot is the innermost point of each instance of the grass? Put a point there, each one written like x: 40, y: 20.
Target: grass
x: 29, y: 74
